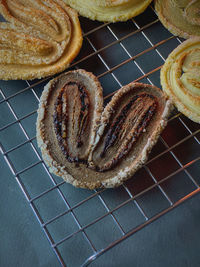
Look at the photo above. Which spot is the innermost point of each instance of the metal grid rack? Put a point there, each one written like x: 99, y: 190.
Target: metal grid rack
x: 118, y: 54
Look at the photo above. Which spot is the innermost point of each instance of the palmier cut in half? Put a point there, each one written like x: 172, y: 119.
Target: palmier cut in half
x: 38, y: 39
x: 180, y: 78
x: 90, y: 146
x: 180, y: 17
x: 109, y: 10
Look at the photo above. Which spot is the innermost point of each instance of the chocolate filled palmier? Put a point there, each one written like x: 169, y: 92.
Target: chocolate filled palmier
x: 38, y: 39
x: 109, y: 10
x: 89, y: 146
x: 180, y: 78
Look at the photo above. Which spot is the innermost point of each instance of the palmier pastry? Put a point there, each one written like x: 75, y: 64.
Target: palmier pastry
x: 38, y: 39
x: 109, y: 10
x: 89, y: 146
x: 180, y: 78
x: 180, y: 17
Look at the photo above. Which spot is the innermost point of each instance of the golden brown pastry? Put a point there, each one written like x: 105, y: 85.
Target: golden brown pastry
x: 109, y: 10
x: 181, y: 17
x: 40, y: 38
x: 89, y: 146
x: 180, y: 78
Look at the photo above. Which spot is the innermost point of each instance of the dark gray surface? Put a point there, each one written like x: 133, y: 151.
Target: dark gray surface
x: 173, y: 240
x: 22, y: 242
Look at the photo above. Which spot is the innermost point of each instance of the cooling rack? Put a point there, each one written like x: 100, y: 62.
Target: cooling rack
x: 96, y: 221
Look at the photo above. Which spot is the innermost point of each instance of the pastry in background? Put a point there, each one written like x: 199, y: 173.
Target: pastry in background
x: 40, y: 38
x: 92, y: 147
x: 180, y: 17
x: 180, y: 78
x: 109, y: 10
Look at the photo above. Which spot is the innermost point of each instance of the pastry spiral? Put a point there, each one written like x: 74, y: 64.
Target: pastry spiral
x: 180, y: 78
x: 181, y: 17
x: 89, y: 146
x: 109, y: 10
x: 38, y: 39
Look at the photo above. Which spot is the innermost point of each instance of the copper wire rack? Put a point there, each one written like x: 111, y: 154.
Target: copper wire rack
x: 98, y: 220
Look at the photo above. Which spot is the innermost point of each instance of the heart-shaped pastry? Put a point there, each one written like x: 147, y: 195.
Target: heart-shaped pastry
x: 40, y: 38
x: 180, y: 17
x: 109, y: 10
x: 89, y: 146
x: 180, y: 78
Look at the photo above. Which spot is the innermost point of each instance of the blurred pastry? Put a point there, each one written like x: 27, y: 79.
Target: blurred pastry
x: 180, y: 17
x: 180, y: 78
x: 40, y: 38
x: 109, y: 10
x: 89, y: 146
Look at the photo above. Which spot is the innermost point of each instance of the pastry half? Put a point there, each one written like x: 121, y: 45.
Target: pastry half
x: 180, y: 17
x: 180, y: 78
x: 92, y: 147
x: 109, y: 10
x: 40, y: 38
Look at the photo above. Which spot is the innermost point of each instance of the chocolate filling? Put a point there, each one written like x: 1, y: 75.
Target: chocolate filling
x: 124, y: 130
x: 71, y: 120
x: 126, y: 124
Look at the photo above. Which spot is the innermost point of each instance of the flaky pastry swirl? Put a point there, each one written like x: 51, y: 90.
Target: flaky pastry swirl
x: 38, y: 39
x: 181, y: 17
x: 109, y: 10
x: 180, y: 78
x: 89, y: 146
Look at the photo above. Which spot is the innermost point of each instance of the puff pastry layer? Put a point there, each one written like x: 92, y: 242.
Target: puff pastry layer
x: 89, y: 146
x: 109, y: 10
x: 180, y: 78
x: 38, y: 39
x: 181, y: 17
